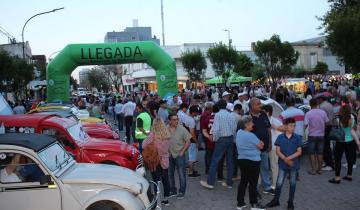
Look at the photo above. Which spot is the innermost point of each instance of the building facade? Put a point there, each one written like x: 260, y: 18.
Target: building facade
x: 312, y: 51
x: 16, y: 50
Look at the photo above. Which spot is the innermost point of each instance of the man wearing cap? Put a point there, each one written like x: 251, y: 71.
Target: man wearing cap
x: 163, y: 112
x: 226, y: 96
x: 242, y: 101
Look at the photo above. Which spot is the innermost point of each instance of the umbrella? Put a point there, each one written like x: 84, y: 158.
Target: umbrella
x: 215, y: 80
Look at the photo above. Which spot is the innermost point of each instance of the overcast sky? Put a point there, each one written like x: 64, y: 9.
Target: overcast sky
x: 186, y: 21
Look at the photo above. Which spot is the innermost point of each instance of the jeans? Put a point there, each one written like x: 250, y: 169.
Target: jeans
x: 350, y: 153
x: 265, y: 172
x: 328, y: 153
x: 120, y: 119
x: 280, y: 182
x: 162, y: 175
x: 208, y: 155
x: 224, y: 145
x: 128, y: 125
x: 249, y: 175
x: 235, y: 163
x: 274, y: 159
x: 179, y: 164
x: 316, y: 145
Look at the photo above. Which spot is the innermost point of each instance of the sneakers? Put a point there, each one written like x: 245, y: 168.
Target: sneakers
x: 327, y: 168
x: 180, y: 196
x: 165, y: 202
x: 172, y: 194
x: 290, y: 206
x: 345, y: 165
x: 206, y: 185
x: 240, y: 206
x: 273, y: 203
x: 270, y: 191
x: 226, y: 185
x: 257, y: 206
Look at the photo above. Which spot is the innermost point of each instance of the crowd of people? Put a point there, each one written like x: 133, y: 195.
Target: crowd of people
x: 240, y: 134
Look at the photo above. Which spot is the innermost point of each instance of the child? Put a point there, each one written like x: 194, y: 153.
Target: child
x: 288, y: 148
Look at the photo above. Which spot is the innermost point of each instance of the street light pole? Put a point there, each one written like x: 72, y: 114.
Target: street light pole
x: 162, y: 23
x: 22, y: 33
x: 228, y: 30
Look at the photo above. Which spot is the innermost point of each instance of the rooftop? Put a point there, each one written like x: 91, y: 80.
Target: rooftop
x: 35, y: 142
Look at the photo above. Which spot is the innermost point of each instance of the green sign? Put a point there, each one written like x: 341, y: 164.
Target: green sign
x: 59, y: 70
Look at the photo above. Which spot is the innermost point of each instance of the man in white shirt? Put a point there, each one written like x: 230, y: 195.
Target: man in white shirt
x: 242, y: 101
x: 119, y: 115
x: 128, y: 111
x: 7, y: 174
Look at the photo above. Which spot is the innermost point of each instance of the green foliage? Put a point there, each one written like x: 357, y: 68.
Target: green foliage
x: 223, y: 59
x: 194, y: 64
x: 299, y: 72
x: 257, y: 72
x: 243, y: 65
x: 276, y: 56
x: 321, y: 68
x: 74, y: 83
x: 96, y: 79
x: 15, y: 74
x: 342, y: 26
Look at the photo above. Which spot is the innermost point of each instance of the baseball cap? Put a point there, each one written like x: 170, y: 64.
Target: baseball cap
x: 230, y: 107
x: 242, y: 94
x: 226, y: 94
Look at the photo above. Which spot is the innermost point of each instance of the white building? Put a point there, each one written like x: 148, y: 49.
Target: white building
x: 315, y: 50
x: 16, y: 50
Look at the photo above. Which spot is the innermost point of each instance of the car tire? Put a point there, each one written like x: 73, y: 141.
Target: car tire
x: 105, y: 205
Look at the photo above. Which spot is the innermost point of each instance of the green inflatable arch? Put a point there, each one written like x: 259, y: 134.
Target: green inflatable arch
x: 73, y: 55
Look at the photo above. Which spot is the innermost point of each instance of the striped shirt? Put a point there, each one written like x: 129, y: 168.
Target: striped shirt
x: 298, y: 115
x: 223, y: 125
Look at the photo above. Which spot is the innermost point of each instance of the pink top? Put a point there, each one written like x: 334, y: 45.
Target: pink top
x: 162, y: 147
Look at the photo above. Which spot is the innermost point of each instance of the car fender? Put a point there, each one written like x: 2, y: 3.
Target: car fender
x: 125, y: 199
x: 121, y: 161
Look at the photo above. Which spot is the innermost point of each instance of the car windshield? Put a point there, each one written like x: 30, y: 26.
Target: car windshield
x: 54, y: 157
x: 77, y: 133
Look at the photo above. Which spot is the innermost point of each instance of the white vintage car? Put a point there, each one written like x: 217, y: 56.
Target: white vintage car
x: 37, y: 173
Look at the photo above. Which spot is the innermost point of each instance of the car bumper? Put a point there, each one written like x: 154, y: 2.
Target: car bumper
x: 156, y: 201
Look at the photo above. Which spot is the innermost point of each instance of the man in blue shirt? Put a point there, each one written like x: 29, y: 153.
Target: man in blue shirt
x: 288, y: 148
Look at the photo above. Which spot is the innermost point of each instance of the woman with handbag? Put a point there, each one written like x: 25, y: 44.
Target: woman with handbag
x: 345, y: 144
x: 156, y: 155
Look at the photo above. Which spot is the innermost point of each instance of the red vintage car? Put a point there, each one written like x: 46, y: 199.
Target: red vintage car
x: 72, y: 135
x: 105, y: 133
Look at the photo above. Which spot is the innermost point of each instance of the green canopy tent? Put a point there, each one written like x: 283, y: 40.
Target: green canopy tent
x: 234, y: 78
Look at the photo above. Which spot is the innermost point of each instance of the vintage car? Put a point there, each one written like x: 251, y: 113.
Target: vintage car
x: 36, y: 173
x: 82, y: 114
x: 104, y: 133
x: 71, y: 134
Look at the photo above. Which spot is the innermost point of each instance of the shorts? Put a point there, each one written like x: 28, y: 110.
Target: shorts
x: 192, y: 152
x: 316, y: 145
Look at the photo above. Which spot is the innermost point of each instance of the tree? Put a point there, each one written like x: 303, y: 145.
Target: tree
x: 276, y: 56
x: 257, y: 72
x: 114, y: 75
x: 96, y: 79
x: 243, y: 65
x: 223, y: 59
x: 342, y: 28
x: 15, y: 74
x: 74, y: 83
x: 320, y: 68
x: 299, y: 72
x: 194, y: 64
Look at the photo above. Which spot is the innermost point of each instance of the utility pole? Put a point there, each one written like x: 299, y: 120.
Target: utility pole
x: 162, y: 23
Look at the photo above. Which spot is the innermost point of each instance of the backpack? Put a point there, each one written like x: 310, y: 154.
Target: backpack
x: 151, y: 157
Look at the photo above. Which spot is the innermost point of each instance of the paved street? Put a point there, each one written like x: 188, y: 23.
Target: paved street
x: 312, y: 192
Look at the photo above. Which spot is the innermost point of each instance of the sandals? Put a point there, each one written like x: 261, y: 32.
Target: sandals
x: 347, y: 178
x: 334, y: 181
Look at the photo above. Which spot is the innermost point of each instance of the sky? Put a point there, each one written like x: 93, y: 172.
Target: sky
x: 186, y: 21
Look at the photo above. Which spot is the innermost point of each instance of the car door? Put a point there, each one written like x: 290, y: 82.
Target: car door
x: 20, y: 186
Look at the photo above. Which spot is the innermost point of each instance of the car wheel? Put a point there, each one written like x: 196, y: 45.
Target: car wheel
x: 105, y: 205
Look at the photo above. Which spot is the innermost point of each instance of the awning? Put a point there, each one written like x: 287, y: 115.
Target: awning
x: 234, y: 78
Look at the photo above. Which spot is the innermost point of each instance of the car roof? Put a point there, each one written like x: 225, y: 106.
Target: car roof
x: 35, y: 142
x: 30, y: 120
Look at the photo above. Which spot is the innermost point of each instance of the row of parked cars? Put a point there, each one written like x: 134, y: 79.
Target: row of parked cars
x: 73, y: 164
